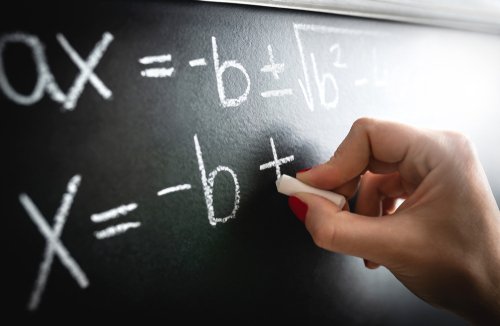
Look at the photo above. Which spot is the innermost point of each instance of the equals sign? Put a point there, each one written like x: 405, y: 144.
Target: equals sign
x: 156, y: 72
x: 112, y: 214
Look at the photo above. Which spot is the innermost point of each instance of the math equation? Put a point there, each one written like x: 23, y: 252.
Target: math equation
x: 318, y: 86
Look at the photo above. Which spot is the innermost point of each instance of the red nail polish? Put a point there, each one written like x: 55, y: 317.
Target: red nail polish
x: 298, y: 207
x: 303, y: 170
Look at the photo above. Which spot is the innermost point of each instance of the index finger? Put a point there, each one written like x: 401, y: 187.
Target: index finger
x: 378, y: 146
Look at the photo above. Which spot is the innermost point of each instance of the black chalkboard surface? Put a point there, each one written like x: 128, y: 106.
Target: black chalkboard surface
x: 141, y: 142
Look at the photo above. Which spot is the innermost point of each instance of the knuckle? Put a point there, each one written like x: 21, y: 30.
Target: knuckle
x: 460, y: 143
x: 458, y: 138
x: 323, y: 236
x: 363, y: 123
x: 359, y: 127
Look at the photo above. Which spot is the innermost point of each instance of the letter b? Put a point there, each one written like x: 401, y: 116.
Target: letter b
x: 219, y: 70
x: 208, y: 187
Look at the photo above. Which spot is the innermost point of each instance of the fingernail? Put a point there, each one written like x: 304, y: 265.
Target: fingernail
x: 370, y: 265
x: 303, y: 170
x: 298, y: 207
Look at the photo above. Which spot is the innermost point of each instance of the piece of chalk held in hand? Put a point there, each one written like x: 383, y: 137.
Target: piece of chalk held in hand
x: 288, y: 185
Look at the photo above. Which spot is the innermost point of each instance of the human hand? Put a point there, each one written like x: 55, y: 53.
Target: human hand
x: 442, y: 243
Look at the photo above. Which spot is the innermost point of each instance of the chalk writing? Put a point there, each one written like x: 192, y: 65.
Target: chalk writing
x: 318, y: 85
x: 378, y: 77
x: 275, y: 69
x: 113, y: 214
x: 116, y: 230
x: 45, y: 79
x: 208, y: 187
x: 54, y: 245
x: 276, y: 162
x: 272, y: 67
x: 277, y: 93
x: 219, y: 71
x: 86, y: 70
x: 156, y: 72
x: 174, y: 189
x: 321, y: 80
x: 198, y: 62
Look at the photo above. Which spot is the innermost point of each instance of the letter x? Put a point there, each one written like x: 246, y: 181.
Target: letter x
x: 54, y: 245
x: 86, y: 70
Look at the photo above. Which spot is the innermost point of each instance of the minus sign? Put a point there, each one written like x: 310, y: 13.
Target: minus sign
x: 277, y: 93
x: 198, y: 62
x: 174, y: 189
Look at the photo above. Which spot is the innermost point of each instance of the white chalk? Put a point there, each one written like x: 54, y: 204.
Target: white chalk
x: 198, y: 62
x: 277, y: 93
x: 288, y: 185
x: 155, y: 59
x: 116, y: 230
x: 113, y: 213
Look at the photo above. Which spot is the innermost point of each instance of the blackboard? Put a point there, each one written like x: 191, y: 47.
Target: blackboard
x: 132, y: 129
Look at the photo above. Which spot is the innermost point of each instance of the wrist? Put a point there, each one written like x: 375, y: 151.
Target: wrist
x: 494, y: 283
x: 489, y: 285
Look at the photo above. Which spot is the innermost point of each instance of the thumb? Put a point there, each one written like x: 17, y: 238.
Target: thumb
x: 332, y: 229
